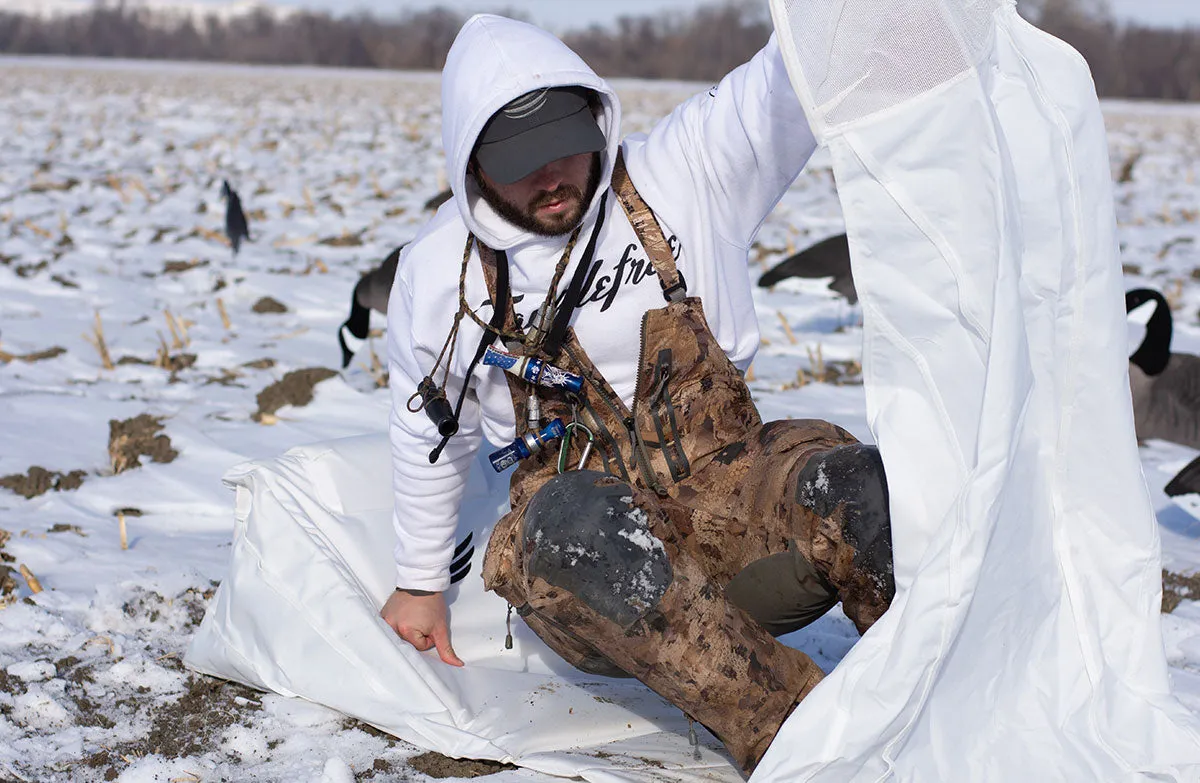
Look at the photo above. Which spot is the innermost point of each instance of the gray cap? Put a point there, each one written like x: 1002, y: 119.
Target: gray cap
x: 535, y: 129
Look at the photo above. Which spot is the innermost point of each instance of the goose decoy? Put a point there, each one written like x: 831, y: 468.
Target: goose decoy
x: 371, y: 293
x: 1165, y: 386
x: 1186, y: 481
x: 235, y: 219
x: 432, y: 204
x: 828, y: 258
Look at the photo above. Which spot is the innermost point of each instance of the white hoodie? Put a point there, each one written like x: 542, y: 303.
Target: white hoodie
x: 712, y: 170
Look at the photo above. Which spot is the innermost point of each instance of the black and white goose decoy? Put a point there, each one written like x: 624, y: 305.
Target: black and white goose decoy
x: 235, y: 219
x: 828, y: 258
x: 1165, y: 386
x: 371, y: 293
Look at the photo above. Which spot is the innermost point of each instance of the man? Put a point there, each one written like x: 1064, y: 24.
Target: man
x: 682, y: 532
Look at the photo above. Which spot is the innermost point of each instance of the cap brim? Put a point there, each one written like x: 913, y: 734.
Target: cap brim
x: 519, y: 156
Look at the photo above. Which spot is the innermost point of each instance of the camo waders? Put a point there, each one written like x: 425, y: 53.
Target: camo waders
x: 694, y: 531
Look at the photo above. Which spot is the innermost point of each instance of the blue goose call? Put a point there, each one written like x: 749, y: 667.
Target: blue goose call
x: 526, y: 445
x: 534, y: 370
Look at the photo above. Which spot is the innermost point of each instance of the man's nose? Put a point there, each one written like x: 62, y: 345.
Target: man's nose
x: 550, y: 176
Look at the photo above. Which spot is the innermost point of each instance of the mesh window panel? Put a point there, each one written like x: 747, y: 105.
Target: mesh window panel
x: 860, y: 57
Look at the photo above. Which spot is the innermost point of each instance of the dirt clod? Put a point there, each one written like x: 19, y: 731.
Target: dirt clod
x: 1177, y: 587
x: 295, y: 388
x: 65, y: 528
x: 8, y: 585
x: 269, y: 305
x: 131, y: 439
x: 435, y: 765
x: 173, y: 363
x: 38, y: 481
x: 260, y: 364
x: 345, y: 240
x: 190, y: 725
x: 36, y: 356
x: 182, y: 266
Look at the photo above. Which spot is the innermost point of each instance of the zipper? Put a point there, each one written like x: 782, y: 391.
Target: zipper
x: 640, y: 455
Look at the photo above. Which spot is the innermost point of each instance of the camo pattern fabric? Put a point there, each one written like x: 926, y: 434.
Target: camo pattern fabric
x: 691, y: 645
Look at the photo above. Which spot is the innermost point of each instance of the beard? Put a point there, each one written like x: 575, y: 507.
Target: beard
x: 526, y: 217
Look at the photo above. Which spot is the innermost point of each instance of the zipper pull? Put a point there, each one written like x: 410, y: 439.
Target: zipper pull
x: 508, y: 640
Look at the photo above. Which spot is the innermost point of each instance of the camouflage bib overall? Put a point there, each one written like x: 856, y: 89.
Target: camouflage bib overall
x: 693, y: 466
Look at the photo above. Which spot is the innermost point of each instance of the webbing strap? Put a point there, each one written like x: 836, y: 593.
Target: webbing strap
x: 500, y: 314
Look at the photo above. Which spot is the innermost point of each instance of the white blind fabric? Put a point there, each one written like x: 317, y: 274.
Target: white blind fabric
x: 1024, y: 643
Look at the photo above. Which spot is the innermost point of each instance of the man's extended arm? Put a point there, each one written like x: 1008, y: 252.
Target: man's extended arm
x: 426, y: 496
x: 743, y: 142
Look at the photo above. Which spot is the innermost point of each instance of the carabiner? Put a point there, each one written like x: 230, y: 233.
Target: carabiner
x: 566, y: 447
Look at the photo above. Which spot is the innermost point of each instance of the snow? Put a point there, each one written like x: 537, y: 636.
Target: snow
x: 126, y: 159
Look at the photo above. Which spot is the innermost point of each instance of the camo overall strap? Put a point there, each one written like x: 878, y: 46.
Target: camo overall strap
x: 649, y: 233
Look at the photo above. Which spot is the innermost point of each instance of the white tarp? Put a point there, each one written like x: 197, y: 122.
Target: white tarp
x: 298, y: 614
x: 1024, y: 642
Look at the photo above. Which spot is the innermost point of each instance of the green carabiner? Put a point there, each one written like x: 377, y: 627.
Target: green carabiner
x: 565, y: 446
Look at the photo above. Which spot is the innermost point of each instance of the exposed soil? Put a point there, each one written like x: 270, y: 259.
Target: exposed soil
x: 295, y: 388
x: 435, y: 765
x: 153, y: 606
x: 29, y: 270
x: 385, y: 768
x: 345, y: 240
x: 226, y: 378
x: 186, y: 727
x: 38, y: 481
x: 131, y: 439
x: 36, y: 356
x: 1177, y: 587
x: 260, y: 364
x: 8, y: 586
x: 182, y: 266
x: 269, y: 305
x: 46, y: 185
x: 176, y: 362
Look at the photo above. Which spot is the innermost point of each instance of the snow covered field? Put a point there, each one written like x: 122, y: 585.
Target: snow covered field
x: 120, y: 301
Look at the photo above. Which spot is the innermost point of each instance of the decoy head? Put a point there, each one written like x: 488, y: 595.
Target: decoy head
x: 225, y: 189
x: 1155, y: 351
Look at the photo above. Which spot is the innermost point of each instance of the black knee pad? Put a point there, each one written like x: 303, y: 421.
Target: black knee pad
x: 852, y: 477
x: 583, y: 534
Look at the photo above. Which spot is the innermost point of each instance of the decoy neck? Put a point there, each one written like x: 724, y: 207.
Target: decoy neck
x: 1155, y: 351
x: 225, y: 189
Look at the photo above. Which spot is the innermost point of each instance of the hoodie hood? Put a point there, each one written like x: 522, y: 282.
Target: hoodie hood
x: 493, y: 61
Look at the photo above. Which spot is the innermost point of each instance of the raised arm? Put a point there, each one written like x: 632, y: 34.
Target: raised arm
x: 741, y: 143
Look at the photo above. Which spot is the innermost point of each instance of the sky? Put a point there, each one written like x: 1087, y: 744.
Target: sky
x: 568, y: 14
x: 561, y: 15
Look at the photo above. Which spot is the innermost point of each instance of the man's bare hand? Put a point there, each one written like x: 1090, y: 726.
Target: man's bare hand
x: 420, y: 620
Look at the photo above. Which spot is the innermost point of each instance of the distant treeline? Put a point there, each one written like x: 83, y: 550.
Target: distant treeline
x: 1127, y: 60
